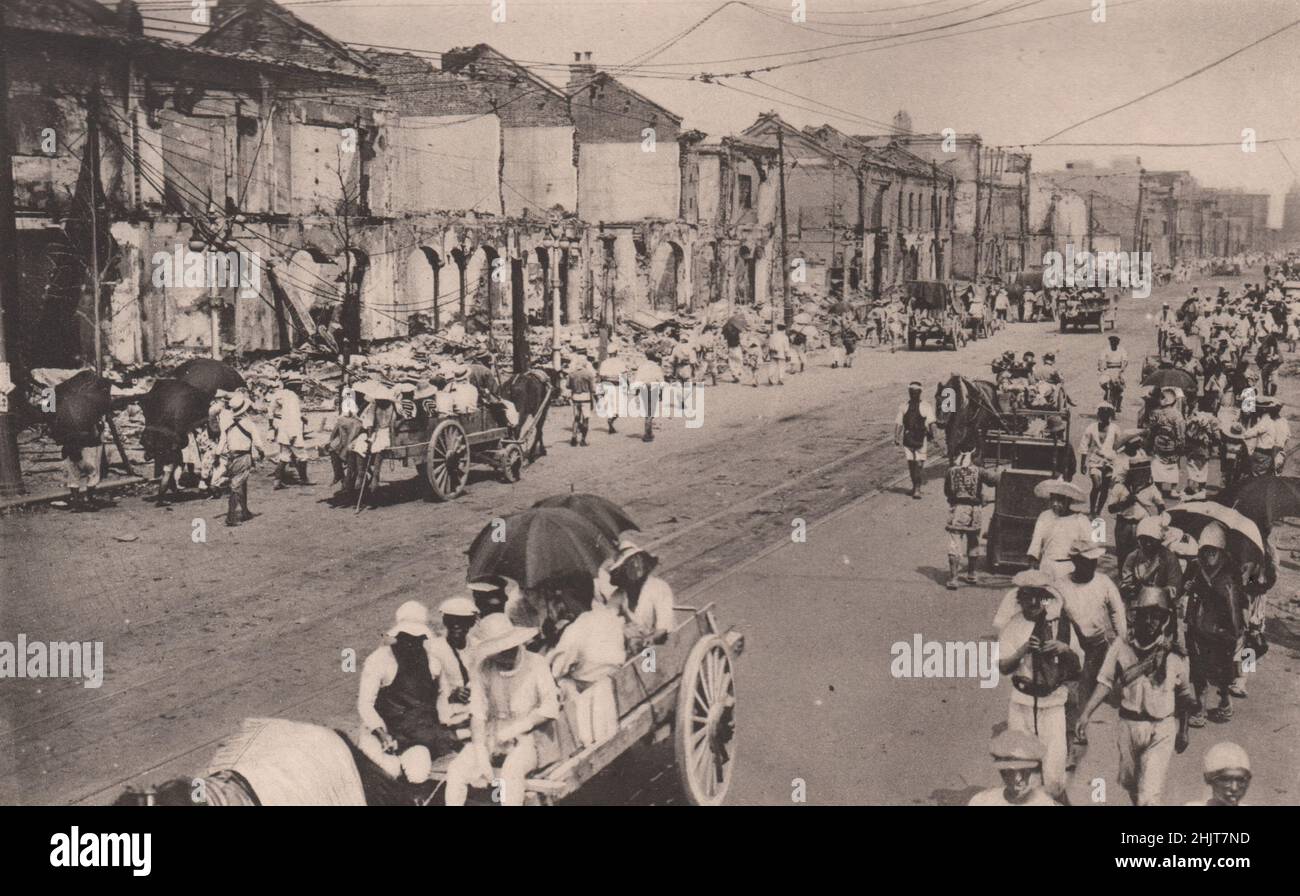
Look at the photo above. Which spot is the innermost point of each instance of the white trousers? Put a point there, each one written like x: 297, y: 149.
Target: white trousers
x: 508, y: 783
x: 1051, y: 731
x: 413, y: 762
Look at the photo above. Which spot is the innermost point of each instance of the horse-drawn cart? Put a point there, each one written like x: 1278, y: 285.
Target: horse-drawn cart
x: 1092, y: 309
x: 934, y: 314
x: 444, y: 445
x: 684, y: 688
x: 1029, y: 445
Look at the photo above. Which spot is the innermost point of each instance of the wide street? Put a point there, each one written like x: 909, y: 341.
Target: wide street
x: 202, y: 632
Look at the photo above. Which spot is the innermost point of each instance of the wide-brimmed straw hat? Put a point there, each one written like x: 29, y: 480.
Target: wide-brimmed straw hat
x: 496, y: 634
x: 1049, y: 487
x: 627, y: 549
x: 239, y: 404
x: 1086, y: 547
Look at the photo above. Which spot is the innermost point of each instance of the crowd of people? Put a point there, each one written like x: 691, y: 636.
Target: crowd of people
x: 1172, y: 637
x: 478, y: 686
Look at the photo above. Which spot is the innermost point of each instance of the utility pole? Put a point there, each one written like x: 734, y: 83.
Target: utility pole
x: 92, y: 156
x: 979, y: 175
x: 11, y: 478
x: 1090, y: 198
x: 785, y: 259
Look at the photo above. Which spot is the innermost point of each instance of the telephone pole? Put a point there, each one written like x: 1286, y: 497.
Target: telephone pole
x: 785, y: 259
x: 11, y: 478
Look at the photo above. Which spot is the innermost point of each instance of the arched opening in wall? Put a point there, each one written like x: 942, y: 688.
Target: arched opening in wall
x: 309, y: 279
x: 458, y: 258
x: 713, y: 272
x: 911, y: 264
x: 746, y: 276
x: 485, y: 277
x: 608, y: 269
x: 423, y: 299
x: 543, y: 257
x: 667, y: 277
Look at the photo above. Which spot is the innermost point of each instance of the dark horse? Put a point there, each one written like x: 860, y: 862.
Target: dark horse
x: 530, y: 392
x: 965, y: 407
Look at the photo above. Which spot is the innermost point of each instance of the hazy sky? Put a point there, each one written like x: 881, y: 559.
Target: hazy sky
x: 1014, y: 83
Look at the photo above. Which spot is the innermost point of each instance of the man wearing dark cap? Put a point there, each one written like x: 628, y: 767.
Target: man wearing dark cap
x: 491, y: 594
x: 1018, y: 758
x: 914, y: 425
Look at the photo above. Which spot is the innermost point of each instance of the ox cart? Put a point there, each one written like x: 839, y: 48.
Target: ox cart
x: 934, y: 315
x: 684, y: 688
x: 1028, y: 445
x: 445, y: 445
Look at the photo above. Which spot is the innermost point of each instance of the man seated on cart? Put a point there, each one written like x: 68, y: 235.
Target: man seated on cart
x: 512, y: 693
x: 463, y: 393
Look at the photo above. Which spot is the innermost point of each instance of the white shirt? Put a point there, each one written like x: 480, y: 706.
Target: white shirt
x: 499, y: 697
x: 1095, y: 606
x: 654, y: 608
x: 449, y: 713
x: 1014, y: 635
x: 591, y: 647
x: 1054, y: 535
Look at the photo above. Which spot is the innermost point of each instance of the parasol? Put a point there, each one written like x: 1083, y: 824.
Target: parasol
x: 608, y: 516
x: 1265, y: 499
x: 1193, y: 516
x: 1171, y: 378
x: 208, y: 375
x: 538, y: 545
x: 80, y: 402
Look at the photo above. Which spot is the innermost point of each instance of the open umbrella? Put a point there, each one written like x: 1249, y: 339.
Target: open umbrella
x: 80, y: 402
x: 1193, y: 516
x: 1265, y: 499
x: 608, y: 516
x: 1170, y: 378
x: 208, y: 375
x: 538, y: 545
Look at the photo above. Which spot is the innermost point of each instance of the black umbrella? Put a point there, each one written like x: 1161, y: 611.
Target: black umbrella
x: 79, y: 403
x: 208, y: 375
x: 1170, y: 378
x: 171, y: 410
x: 1265, y: 499
x: 608, y: 516
x: 538, y: 545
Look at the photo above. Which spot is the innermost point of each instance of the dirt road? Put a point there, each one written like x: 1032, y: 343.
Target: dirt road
x: 200, y: 633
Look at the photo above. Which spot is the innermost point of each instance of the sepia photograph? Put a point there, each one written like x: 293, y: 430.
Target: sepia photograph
x: 630, y: 403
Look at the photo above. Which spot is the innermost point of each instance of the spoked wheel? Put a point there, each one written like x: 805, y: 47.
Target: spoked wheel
x: 704, y: 732
x: 512, y: 463
x: 448, y: 462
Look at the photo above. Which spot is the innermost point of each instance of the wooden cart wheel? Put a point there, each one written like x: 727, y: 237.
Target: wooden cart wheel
x: 512, y: 463
x: 704, y: 733
x: 448, y: 460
